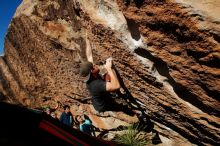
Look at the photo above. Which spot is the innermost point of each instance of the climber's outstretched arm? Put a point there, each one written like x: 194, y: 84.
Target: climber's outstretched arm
x: 114, y: 82
x: 88, y: 50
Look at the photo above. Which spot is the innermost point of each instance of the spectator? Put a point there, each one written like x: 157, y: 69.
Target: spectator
x: 54, y: 115
x: 66, y: 117
x: 85, y: 125
x: 47, y: 111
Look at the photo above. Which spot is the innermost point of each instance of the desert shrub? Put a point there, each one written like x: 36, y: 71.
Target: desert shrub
x: 131, y: 137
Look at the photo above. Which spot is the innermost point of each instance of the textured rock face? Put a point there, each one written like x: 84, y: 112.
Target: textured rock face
x: 167, y: 55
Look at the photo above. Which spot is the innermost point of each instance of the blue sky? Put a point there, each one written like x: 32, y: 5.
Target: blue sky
x: 7, y: 10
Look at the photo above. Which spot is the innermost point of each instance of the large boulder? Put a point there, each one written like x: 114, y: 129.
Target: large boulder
x: 166, y: 54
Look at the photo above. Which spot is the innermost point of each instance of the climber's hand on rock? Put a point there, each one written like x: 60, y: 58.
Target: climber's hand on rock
x: 108, y: 64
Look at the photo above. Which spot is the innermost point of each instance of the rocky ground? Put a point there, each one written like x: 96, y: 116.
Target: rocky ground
x: 166, y: 54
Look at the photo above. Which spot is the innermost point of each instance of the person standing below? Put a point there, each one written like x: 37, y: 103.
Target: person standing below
x: 85, y: 125
x: 66, y: 117
x: 48, y: 111
x: 54, y: 115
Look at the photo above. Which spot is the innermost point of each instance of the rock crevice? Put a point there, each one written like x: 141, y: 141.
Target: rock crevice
x: 166, y: 54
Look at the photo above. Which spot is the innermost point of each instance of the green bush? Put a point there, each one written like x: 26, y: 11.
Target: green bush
x: 131, y: 137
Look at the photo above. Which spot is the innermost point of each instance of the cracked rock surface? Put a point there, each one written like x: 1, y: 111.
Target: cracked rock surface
x: 166, y: 53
